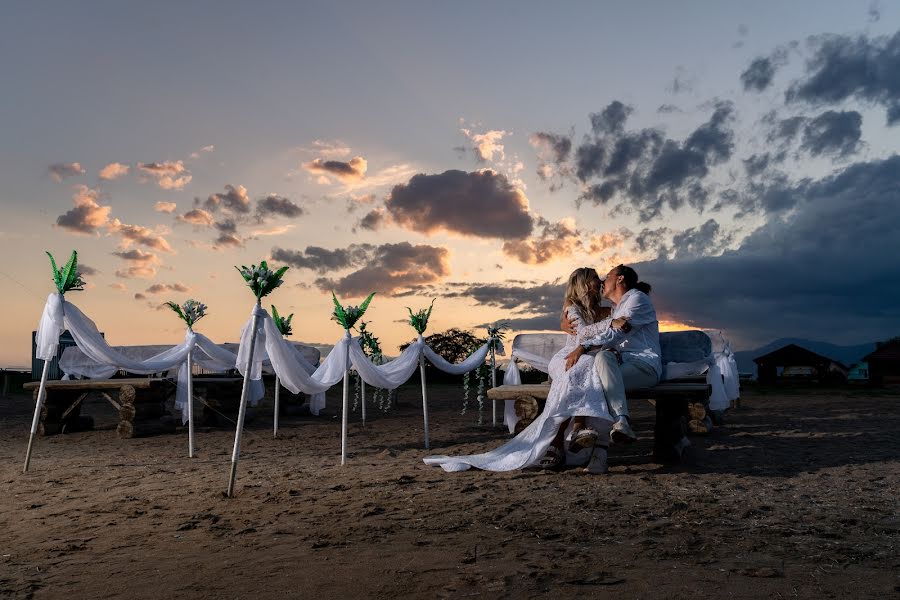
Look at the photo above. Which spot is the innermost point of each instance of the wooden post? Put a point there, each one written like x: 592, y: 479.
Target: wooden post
x: 346, y: 404
x: 277, y: 407
x: 42, y: 391
x: 236, y: 452
x: 424, y: 397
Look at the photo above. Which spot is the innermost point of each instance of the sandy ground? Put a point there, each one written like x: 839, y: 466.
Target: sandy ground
x: 797, y: 496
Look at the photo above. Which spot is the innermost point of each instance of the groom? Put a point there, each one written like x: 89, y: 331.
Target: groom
x: 631, y: 357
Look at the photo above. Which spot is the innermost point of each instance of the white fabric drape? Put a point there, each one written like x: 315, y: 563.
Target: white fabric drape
x: 298, y: 375
x: 59, y: 315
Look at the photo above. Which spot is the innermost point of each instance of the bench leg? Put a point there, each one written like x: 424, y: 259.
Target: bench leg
x: 669, y: 429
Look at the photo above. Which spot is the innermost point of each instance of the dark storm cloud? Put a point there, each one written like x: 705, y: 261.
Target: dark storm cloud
x: 480, y: 203
x: 831, y: 262
x: 833, y: 133
x: 390, y: 269
x: 783, y: 131
x: 646, y: 171
x: 758, y: 76
x: 843, y: 67
x: 323, y: 260
x: 611, y: 119
x: 893, y: 115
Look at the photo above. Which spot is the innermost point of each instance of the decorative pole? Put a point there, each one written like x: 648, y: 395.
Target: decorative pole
x: 66, y: 279
x: 424, y: 392
x: 493, y: 383
x: 277, y: 405
x: 363, y: 400
x: 190, y: 403
x: 37, y: 414
x: 347, y: 318
x: 261, y: 282
x: 190, y: 312
x: 346, y: 402
x: 242, y: 411
x: 284, y: 328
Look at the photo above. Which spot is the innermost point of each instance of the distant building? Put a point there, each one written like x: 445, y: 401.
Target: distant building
x: 795, y: 363
x: 859, y: 373
x: 884, y: 364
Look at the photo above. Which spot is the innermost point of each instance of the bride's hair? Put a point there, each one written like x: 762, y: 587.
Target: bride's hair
x: 578, y: 292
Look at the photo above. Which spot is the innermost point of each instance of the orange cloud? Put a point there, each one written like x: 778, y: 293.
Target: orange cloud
x: 557, y: 240
x: 88, y: 215
x: 168, y: 175
x: 165, y: 207
x: 138, y: 234
x: 346, y: 172
x: 113, y: 171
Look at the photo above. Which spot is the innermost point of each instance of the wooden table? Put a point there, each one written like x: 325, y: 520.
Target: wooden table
x: 141, y: 403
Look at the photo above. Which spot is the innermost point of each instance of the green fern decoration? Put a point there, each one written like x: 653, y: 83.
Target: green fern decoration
x: 283, y: 324
x: 347, y: 317
x: 419, y: 319
x: 68, y: 278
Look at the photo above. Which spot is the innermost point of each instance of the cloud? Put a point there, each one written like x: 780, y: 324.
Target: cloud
x: 168, y: 175
x: 139, y: 265
x: 88, y: 215
x: 481, y: 203
x: 228, y: 235
x: 328, y: 149
x: 163, y: 288
x: 834, y: 133
x: 273, y: 230
x: 611, y: 240
x: 758, y: 76
x: 554, y: 151
x: 831, y: 260
x: 165, y: 207
x: 843, y: 67
x: 486, y: 145
x: 198, y: 217
x: 138, y: 234
x: 893, y: 114
x: 60, y: 171
x: 121, y: 287
x: 555, y: 241
x: 390, y: 268
x: 646, y: 171
x: 527, y: 307
x: 235, y: 200
x: 137, y: 255
x: 87, y: 270
x: 374, y: 220
x: 274, y: 205
x: 204, y: 149
x: 346, y: 172
x: 140, y: 296
x: 323, y: 260
x: 113, y: 171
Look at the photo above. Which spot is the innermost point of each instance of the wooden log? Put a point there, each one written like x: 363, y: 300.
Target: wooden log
x: 527, y: 410
x: 142, y: 411
x: 698, y: 426
x: 129, y: 429
x: 696, y: 411
x: 127, y: 395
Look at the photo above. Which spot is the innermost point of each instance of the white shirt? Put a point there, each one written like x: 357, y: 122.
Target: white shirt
x: 641, y: 342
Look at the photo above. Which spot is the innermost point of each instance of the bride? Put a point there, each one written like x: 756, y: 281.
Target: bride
x: 575, y: 405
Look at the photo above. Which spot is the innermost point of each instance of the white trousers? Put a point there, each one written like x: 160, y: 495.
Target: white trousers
x: 617, y: 379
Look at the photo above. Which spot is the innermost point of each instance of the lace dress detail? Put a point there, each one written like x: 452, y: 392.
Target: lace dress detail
x: 573, y: 393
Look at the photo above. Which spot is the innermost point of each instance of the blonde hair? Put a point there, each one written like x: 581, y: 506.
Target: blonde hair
x: 578, y: 293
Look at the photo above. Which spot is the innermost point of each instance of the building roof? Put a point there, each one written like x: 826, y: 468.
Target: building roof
x: 795, y: 355
x: 889, y: 351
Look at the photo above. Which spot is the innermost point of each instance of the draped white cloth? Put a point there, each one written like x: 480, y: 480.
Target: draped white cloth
x: 104, y: 360
x: 298, y: 375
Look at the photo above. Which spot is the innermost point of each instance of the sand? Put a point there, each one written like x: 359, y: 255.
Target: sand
x: 796, y: 496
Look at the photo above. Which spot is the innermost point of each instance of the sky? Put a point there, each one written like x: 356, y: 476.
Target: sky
x: 741, y: 157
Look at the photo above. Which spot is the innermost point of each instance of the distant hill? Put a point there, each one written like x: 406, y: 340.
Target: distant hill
x: 844, y: 354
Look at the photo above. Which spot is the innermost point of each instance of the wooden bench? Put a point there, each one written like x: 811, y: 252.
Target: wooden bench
x: 141, y: 404
x: 678, y: 403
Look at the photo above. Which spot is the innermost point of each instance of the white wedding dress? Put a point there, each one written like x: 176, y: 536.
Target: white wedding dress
x: 573, y: 393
